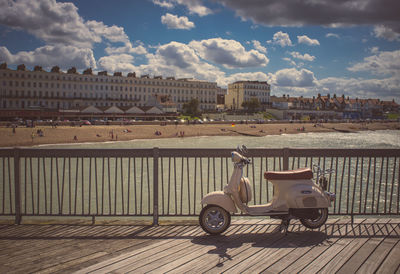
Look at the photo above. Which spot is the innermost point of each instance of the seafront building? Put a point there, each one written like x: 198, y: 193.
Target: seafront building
x: 57, y: 90
x: 242, y: 91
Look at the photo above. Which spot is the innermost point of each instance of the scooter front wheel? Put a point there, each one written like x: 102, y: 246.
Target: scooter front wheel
x: 214, y: 219
x: 318, y: 222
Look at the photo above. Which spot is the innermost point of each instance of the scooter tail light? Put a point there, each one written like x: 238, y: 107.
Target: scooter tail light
x: 332, y: 196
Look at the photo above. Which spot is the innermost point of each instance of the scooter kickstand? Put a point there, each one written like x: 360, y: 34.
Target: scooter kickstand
x: 284, y: 226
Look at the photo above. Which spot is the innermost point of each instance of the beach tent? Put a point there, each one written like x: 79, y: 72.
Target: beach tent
x: 91, y: 109
x: 152, y: 110
x: 134, y: 110
x: 114, y: 109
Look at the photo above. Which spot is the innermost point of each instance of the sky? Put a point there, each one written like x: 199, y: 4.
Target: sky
x: 300, y: 47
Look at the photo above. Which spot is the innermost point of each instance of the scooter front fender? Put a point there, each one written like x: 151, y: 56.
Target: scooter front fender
x: 221, y: 199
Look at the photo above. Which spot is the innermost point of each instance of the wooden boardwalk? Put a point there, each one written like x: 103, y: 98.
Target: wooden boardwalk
x: 250, y: 245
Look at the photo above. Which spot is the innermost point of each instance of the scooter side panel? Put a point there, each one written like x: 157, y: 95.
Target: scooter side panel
x: 306, y: 196
x: 219, y: 198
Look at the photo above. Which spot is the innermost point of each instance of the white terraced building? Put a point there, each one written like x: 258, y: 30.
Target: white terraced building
x: 22, y: 89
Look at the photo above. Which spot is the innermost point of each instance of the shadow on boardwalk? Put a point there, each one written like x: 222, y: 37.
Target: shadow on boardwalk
x: 367, y: 245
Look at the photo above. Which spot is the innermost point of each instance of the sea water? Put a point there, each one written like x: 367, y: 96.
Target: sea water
x: 362, y: 139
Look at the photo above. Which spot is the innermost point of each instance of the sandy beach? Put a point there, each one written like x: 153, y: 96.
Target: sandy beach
x: 65, y: 134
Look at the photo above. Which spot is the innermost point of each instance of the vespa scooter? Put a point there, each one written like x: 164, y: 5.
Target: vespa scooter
x: 296, y: 196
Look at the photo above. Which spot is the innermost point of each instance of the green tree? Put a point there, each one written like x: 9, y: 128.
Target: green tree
x: 252, y: 105
x: 191, y: 108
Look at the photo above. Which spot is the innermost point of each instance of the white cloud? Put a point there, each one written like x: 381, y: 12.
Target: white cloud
x: 387, y: 33
x: 386, y: 62
x: 290, y: 61
x: 305, y: 57
x: 57, y: 23
x: 113, y: 33
x: 48, y: 20
x: 281, y: 38
x: 49, y: 56
x: 294, y: 78
x: 163, y: 4
x: 257, y: 45
x: 193, y: 6
x: 228, y: 53
x: 374, y: 50
x: 304, y: 39
x: 118, y: 62
x: 180, y: 60
x: 243, y: 76
x: 175, y: 22
x: 128, y: 48
x: 384, y: 89
x: 334, y: 35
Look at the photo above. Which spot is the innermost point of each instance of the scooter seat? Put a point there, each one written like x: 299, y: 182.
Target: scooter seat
x: 297, y: 174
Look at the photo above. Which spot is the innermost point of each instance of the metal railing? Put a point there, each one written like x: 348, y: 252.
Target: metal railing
x: 171, y: 182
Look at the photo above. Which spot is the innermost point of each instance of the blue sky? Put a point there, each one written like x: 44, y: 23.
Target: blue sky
x: 306, y: 47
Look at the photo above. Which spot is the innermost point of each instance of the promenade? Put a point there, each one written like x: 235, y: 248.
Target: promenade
x: 250, y: 245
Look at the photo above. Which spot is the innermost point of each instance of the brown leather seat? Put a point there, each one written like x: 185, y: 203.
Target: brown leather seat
x: 297, y: 174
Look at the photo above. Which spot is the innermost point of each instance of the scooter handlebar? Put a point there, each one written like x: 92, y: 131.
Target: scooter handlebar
x: 238, y: 158
x: 247, y: 161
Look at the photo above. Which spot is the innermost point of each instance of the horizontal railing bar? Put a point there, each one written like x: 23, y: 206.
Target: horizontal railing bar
x: 206, y: 152
x: 86, y: 152
x: 359, y: 152
x: 199, y: 152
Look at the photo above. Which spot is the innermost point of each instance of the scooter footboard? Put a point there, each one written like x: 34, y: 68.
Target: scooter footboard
x: 221, y: 199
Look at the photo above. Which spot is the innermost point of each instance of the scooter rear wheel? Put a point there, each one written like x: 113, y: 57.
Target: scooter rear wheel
x: 214, y: 219
x: 318, y: 222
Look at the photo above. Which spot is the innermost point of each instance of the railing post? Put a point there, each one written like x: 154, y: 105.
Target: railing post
x: 17, y: 187
x: 286, y: 154
x: 155, y: 185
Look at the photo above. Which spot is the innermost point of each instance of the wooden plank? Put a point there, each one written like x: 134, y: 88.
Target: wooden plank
x: 73, y: 262
x: 352, y: 246
x: 217, y: 248
x: 60, y: 252
x: 247, y: 246
x: 375, y: 260
x: 379, y: 254
x: 274, y: 252
x: 128, y: 257
x: 391, y: 264
x: 159, y: 259
x: 253, y: 246
x: 203, y: 247
x: 299, y: 252
x: 363, y: 253
x: 238, y: 244
x: 345, y: 238
x: 335, y: 232
x: 142, y: 257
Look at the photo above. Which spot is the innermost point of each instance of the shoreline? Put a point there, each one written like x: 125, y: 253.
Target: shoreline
x: 28, y: 137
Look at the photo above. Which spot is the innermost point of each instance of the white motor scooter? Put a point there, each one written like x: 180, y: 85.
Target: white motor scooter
x: 296, y: 196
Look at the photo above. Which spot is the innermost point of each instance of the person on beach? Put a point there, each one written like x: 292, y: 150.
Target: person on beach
x: 75, y: 138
